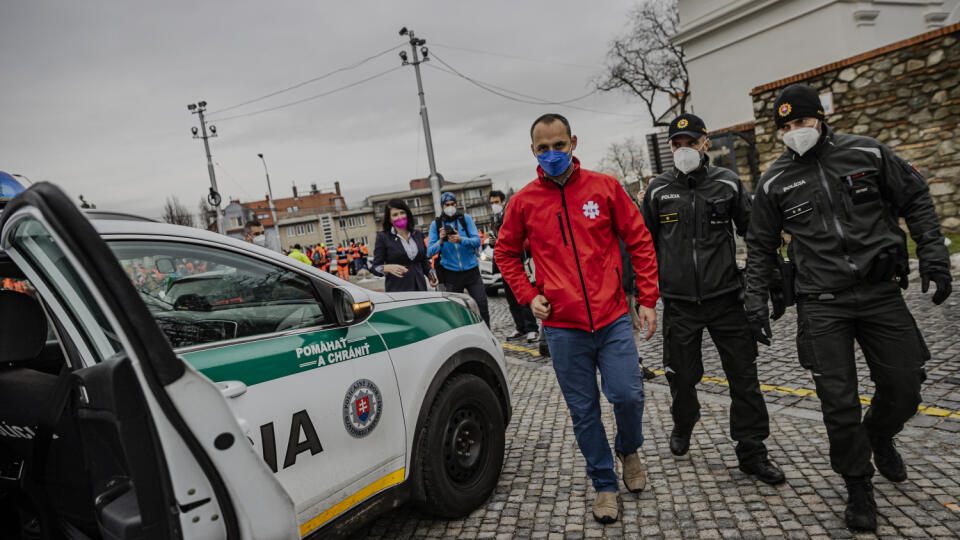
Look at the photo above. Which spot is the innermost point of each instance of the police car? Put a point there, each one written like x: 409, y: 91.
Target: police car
x: 158, y: 381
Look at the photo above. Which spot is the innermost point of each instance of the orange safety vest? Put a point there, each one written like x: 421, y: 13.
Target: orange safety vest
x: 341, y: 255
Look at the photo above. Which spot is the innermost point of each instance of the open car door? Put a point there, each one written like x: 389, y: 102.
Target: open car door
x: 164, y: 454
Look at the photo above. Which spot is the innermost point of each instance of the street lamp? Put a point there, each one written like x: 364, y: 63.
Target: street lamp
x: 273, y: 215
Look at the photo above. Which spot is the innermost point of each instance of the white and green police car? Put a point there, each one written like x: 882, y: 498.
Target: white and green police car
x: 187, y: 385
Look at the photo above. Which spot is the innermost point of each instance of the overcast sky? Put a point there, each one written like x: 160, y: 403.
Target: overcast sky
x: 94, y: 93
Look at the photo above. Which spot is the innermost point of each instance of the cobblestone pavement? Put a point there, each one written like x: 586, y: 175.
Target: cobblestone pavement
x: 544, y: 491
x: 786, y: 383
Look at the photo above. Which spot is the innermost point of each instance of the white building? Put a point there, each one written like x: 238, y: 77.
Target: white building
x: 733, y: 46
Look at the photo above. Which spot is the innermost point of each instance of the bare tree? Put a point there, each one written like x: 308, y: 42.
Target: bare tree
x: 176, y: 213
x: 644, y: 63
x: 625, y: 158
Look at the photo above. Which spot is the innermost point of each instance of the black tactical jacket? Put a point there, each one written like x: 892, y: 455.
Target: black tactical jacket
x: 841, y: 203
x: 692, y: 218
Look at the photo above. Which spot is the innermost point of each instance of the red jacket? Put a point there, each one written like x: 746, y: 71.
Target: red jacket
x: 578, y: 266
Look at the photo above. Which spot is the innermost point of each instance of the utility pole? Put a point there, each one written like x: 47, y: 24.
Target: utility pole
x: 214, y: 196
x: 414, y: 43
x: 273, y: 215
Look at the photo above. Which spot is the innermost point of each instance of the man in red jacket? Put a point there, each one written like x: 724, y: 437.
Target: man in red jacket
x: 573, y: 217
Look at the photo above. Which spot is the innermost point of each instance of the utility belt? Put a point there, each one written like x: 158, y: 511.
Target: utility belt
x: 889, y: 265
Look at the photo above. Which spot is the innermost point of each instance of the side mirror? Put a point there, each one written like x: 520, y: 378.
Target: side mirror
x: 349, y: 311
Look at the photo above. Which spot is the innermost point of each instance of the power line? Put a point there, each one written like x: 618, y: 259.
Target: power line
x: 232, y: 178
x: 309, y: 81
x: 488, y: 86
x: 513, y: 56
x: 310, y: 98
x: 491, y: 85
x: 534, y: 100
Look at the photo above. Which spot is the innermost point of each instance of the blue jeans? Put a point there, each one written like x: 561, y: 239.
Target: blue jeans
x: 576, y: 356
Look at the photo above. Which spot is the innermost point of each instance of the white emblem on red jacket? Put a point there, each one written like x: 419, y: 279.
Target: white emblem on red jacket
x: 591, y: 209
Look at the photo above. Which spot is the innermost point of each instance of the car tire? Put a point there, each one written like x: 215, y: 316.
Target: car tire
x: 461, y: 447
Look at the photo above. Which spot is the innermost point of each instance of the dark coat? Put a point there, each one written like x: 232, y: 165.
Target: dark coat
x: 388, y: 249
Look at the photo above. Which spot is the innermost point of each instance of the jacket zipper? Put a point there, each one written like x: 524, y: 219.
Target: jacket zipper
x: 562, y: 232
x: 576, y: 256
x: 696, y: 233
x: 836, y: 221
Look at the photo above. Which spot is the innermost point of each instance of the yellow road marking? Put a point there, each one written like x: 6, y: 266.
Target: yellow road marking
x: 391, y: 479
x: 803, y: 392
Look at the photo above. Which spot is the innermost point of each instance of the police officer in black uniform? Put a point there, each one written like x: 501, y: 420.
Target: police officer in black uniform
x: 840, y: 197
x: 691, y: 213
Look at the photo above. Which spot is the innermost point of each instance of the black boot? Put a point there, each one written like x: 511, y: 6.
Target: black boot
x: 861, y: 512
x: 680, y: 439
x: 764, y: 470
x: 887, y: 459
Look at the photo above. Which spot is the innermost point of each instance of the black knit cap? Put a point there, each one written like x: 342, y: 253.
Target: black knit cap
x: 797, y: 101
x: 687, y: 124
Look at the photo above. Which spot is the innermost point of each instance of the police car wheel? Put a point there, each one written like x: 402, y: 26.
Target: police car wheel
x: 461, y: 450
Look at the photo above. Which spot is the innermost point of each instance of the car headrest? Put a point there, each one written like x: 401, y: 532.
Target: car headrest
x: 23, y: 328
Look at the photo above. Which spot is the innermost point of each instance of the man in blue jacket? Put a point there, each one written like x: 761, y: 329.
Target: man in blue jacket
x: 455, y: 237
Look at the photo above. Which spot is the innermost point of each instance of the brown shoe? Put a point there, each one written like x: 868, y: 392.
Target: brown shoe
x: 606, y: 507
x: 633, y: 476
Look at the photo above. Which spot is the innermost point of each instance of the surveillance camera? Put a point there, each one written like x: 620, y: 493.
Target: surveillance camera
x: 403, y: 31
x: 202, y: 104
x: 403, y: 56
x: 193, y: 130
x: 260, y: 156
x: 424, y: 51
x: 213, y: 129
x: 191, y: 107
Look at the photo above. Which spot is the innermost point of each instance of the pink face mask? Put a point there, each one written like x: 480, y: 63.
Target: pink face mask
x: 400, y: 223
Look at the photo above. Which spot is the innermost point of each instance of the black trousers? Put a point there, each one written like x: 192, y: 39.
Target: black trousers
x: 724, y: 318
x: 522, y: 315
x: 876, y: 316
x: 472, y: 281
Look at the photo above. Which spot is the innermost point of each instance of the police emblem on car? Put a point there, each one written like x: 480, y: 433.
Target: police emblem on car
x: 361, y: 408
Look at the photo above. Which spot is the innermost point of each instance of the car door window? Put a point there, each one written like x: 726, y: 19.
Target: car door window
x: 200, y: 295
x: 35, y: 244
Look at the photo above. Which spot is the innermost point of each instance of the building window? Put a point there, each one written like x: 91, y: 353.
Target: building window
x: 299, y: 230
x: 236, y: 222
x: 311, y: 228
x: 291, y: 209
x: 291, y: 231
x: 343, y: 223
x: 413, y: 203
x: 473, y: 194
x: 263, y: 216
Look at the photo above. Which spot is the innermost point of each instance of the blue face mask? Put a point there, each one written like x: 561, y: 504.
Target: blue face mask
x: 554, y: 162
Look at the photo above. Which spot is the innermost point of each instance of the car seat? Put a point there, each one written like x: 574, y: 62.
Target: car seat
x: 25, y: 396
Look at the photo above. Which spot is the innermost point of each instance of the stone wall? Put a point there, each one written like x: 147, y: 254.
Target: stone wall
x: 906, y: 95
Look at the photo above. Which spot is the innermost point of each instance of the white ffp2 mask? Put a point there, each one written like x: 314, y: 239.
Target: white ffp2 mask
x: 687, y: 159
x: 801, y: 140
